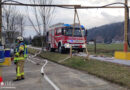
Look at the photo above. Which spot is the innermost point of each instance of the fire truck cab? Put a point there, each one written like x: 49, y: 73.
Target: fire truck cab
x: 60, y: 37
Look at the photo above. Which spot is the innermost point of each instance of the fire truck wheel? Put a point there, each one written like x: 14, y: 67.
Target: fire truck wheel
x: 60, y: 49
x: 51, y: 49
x: 80, y: 50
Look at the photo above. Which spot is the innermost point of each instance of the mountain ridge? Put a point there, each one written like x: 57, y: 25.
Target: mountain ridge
x: 108, y: 33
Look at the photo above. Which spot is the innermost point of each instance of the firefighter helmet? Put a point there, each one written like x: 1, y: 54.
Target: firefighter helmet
x: 20, y: 38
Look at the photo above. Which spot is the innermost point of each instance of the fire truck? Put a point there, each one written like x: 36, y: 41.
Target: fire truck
x: 60, y: 37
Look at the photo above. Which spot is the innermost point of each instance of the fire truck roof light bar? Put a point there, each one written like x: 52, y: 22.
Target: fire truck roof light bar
x: 67, y: 25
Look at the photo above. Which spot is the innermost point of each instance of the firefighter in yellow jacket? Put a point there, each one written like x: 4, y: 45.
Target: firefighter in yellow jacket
x: 19, y: 58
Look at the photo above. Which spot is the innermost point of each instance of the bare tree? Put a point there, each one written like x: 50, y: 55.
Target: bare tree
x: 43, y: 17
x: 36, y: 21
x: 46, y: 13
x: 9, y: 22
x: 21, y: 23
x: 13, y: 22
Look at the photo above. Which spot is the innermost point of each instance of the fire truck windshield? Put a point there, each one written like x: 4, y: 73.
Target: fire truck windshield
x: 77, y: 32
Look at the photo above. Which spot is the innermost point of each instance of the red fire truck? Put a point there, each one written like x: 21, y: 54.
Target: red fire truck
x: 60, y: 37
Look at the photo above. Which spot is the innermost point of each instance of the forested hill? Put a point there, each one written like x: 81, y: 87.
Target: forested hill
x: 108, y: 33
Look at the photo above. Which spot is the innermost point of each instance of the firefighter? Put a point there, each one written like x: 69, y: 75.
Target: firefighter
x: 19, y: 58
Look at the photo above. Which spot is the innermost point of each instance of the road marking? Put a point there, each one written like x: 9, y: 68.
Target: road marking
x: 43, y: 73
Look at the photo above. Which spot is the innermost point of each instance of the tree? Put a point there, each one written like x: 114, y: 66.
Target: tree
x: 43, y: 17
x: 21, y: 23
x: 46, y: 13
x: 9, y: 23
x: 12, y: 23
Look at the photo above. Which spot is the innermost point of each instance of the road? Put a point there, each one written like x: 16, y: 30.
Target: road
x: 63, y: 77
x: 106, y: 59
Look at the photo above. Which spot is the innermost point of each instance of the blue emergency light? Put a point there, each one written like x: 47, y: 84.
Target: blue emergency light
x: 67, y: 25
x: 82, y: 26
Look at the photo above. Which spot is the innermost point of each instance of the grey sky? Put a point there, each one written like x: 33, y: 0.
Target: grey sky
x: 89, y: 17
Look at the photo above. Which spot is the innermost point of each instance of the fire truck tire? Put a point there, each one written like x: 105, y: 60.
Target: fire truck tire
x: 60, y: 49
x: 80, y: 50
x: 53, y: 49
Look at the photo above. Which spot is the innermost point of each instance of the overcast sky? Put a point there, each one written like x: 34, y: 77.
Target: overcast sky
x: 89, y: 17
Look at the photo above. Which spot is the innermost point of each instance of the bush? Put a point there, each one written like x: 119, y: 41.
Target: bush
x: 37, y: 41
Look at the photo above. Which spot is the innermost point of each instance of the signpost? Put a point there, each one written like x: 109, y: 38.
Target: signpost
x: 126, y: 27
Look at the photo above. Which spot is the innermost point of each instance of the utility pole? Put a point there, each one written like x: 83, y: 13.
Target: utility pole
x: 126, y: 27
x: 0, y: 33
x: 44, y: 32
x: 1, y: 20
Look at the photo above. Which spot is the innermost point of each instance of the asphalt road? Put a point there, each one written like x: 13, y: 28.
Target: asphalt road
x: 63, y: 77
x: 106, y: 59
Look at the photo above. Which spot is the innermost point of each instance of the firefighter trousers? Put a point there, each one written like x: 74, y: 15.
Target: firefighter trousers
x: 20, y: 69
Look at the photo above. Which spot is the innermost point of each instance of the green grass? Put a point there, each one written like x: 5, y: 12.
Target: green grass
x: 53, y: 56
x: 106, y: 49
x: 49, y: 55
x: 109, y: 71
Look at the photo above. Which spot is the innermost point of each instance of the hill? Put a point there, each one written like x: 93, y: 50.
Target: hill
x: 108, y: 33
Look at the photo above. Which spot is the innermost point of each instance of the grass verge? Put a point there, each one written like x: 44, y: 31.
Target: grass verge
x: 116, y: 73
x: 106, y: 49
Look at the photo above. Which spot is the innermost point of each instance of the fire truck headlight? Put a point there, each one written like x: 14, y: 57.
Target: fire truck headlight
x: 67, y: 45
x: 84, y: 45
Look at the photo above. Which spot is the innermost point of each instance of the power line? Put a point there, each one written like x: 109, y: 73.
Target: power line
x: 67, y: 6
x: 39, y: 5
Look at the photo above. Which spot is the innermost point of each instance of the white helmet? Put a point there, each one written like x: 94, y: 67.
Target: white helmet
x: 20, y: 38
